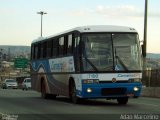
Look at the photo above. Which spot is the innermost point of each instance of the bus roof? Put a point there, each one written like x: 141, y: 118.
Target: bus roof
x: 92, y: 28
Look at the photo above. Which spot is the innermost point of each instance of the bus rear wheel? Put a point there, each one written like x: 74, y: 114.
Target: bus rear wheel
x: 122, y: 101
x: 44, y: 95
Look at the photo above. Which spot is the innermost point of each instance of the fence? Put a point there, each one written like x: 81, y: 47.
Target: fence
x: 151, y: 78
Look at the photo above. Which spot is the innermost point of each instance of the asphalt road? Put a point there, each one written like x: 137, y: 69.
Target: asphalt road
x: 27, y: 105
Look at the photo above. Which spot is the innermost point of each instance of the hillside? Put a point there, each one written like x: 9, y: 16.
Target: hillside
x: 153, y: 56
x: 15, y: 51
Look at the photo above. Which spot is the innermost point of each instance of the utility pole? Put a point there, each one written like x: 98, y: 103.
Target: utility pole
x: 144, y: 48
x: 145, y: 28
x: 41, y: 13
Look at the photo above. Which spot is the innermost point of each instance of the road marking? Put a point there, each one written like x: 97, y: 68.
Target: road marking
x: 145, y: 104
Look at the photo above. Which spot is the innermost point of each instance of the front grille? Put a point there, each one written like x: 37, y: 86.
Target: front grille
x: 122, y: 81
x: 113, y: 91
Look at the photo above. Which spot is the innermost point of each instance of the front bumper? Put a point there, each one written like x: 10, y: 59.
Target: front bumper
x: 13, y: 87
x: 110, y: 90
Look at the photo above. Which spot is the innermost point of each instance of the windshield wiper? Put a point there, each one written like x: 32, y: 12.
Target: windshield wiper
x: 121, y: 62
x: 93, y: 66
x: 85, y: 56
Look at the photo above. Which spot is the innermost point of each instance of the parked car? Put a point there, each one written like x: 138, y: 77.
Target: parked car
x: 26, y: 84
x: 9, y: 83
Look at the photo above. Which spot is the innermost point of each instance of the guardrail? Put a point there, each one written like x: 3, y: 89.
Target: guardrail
x: 151, y: 78
x: 150, y: 92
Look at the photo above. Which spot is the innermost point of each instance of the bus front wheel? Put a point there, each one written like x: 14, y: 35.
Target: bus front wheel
x: 122, y: 101
x: 73, y: 96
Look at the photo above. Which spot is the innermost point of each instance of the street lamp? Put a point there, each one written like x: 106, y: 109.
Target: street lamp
x: 41, y: 13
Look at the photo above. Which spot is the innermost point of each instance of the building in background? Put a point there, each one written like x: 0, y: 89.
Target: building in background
x: 8, y: 54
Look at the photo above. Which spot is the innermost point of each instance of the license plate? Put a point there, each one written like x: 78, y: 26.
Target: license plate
x: 130, y: 95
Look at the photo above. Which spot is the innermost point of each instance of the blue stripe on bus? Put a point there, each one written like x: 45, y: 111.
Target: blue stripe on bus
x: 44, y: 63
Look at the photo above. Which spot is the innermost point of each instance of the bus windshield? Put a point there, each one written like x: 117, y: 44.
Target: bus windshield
x: 111, y: 52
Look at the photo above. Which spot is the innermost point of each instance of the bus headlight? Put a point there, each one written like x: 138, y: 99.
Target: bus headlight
x: 89, y: 81
x: 135, y: 89
x: 135, y: 80
x: 89, y: 90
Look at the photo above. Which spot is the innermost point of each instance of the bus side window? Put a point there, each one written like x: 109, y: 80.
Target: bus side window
x: 39, y: 51
x: 65, y: 45
x: 36, y: 51
x: 61, y: 45
x: 77, y: 53
x: 70, y: 45
x: 44, y: 49
x: 49, y: 48
x: 55, y: 47
x: 76, y: 44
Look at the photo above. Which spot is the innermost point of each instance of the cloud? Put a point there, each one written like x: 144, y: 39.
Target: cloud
x: 118, y: 11
x: 109, y: 11
x: 123, y: 11
x: 154, y: 14
x: 82, y: 12
x: 79, y: 13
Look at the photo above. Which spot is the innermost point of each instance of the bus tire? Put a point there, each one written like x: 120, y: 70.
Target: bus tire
x: 122, y: 101
x: 44, y: 95
x: 73, y: 96
x: 52, y: 96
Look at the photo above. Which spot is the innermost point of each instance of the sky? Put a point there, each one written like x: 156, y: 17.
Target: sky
x: 20, y: 23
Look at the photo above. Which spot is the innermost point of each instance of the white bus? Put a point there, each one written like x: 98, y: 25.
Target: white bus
x: 88, y: 62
